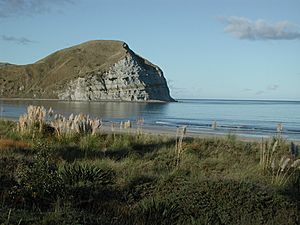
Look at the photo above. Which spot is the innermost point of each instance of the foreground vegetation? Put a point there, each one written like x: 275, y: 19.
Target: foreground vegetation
x: 76, y: 178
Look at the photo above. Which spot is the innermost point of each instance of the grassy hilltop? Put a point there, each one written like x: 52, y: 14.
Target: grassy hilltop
x: 144, y: 179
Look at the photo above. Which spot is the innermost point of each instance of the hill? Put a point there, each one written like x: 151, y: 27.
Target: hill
x: 94, y: 70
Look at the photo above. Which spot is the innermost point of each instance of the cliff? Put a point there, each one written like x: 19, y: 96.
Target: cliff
x: 95, y: 70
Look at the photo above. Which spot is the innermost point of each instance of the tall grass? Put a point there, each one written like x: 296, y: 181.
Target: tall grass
x: 285, y: 170
x: 180, y: 134
x: 37, y: 119
x: 278, y: 163
x: 81, y: 124
x: 267, y: 154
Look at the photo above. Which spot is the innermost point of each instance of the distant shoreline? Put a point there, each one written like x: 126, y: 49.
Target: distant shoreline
x: 236, y: 100
x: 102, y: 100
x: 154, y: 101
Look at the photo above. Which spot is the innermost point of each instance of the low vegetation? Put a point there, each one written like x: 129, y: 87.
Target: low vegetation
x: 100, y: 178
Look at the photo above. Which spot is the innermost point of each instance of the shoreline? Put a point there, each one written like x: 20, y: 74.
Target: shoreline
x: 102, y: 100
x: 171, y: 132
x: 155, y: 101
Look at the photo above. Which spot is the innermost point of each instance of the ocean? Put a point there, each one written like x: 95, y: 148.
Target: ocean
x: 249, y: 118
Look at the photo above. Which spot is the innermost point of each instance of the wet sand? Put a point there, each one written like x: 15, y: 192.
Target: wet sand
x: 171, y: 132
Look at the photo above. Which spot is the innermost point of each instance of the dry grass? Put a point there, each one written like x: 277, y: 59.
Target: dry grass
x: 267, y: 154
x: 282, y: 170
x: 214, y: 125
x: 81, y: 124
x: 180, y: 134
x: 285, y: 170
x: 13, y: 144
x: 38, y: 117
x: 140, y: 123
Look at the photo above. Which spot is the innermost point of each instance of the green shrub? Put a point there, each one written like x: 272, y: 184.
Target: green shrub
x: 76, y: 174
x: 140, y: 187
x: 8, y: 130
x: 10, y: 216
x: 39, y: 183
x: 89, y: 142
x: 230, y: 202
x: 155, y: 211
x: 8, y: 166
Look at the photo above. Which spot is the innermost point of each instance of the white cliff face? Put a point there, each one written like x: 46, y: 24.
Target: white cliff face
x: 130, y: 79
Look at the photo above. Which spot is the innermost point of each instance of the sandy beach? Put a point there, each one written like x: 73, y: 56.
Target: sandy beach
x: 171, y: 132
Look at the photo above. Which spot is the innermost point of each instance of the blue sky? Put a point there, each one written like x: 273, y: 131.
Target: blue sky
x: 231, y: 49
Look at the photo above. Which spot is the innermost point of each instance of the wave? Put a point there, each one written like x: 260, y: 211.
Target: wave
x: 238, y: 128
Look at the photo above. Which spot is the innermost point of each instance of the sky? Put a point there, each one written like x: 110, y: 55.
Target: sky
x: 209, y: 49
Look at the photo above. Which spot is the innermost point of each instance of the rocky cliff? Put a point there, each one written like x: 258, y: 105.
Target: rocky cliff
x: 95, y: 70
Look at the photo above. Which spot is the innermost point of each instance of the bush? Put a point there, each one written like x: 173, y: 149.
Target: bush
x: 140, y: 187
x: 231, y: 202
x: 7, y: 179
x: 76, y: 174
x: 39, y: 183
x: 7, y: 130
x: 154, y: 211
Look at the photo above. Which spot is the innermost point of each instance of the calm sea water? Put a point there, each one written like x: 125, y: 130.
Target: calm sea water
x: 242, y: 117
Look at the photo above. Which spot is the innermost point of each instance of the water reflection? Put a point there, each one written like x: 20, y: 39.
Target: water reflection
x: 104, y: 110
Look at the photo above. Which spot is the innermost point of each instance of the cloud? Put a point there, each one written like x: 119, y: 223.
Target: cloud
x: 183, y: 92
x: 273, y: 87
x: 170, y: 83
x: 266, y: 90
x: 259, y: 92
x: 245, y: 29
x: 10, y: 8
x: 21, y: 40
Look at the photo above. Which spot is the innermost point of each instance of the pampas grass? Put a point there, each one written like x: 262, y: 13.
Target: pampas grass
x: 279, y: 129
x: 267, y: 153
x: 140, y: 123
x: 214, y: 125
x: 282, y: 170
x: 180, y: 134
x: 35, y: 116
x: 286, y: 169
x: 81, y: 124
x: 38, y: 116
x: 127, y: 124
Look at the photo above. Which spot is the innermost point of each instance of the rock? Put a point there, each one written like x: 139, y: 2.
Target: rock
x: 126, y: 80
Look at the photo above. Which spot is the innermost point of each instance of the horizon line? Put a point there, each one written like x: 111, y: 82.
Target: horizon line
x: 236, y: 99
